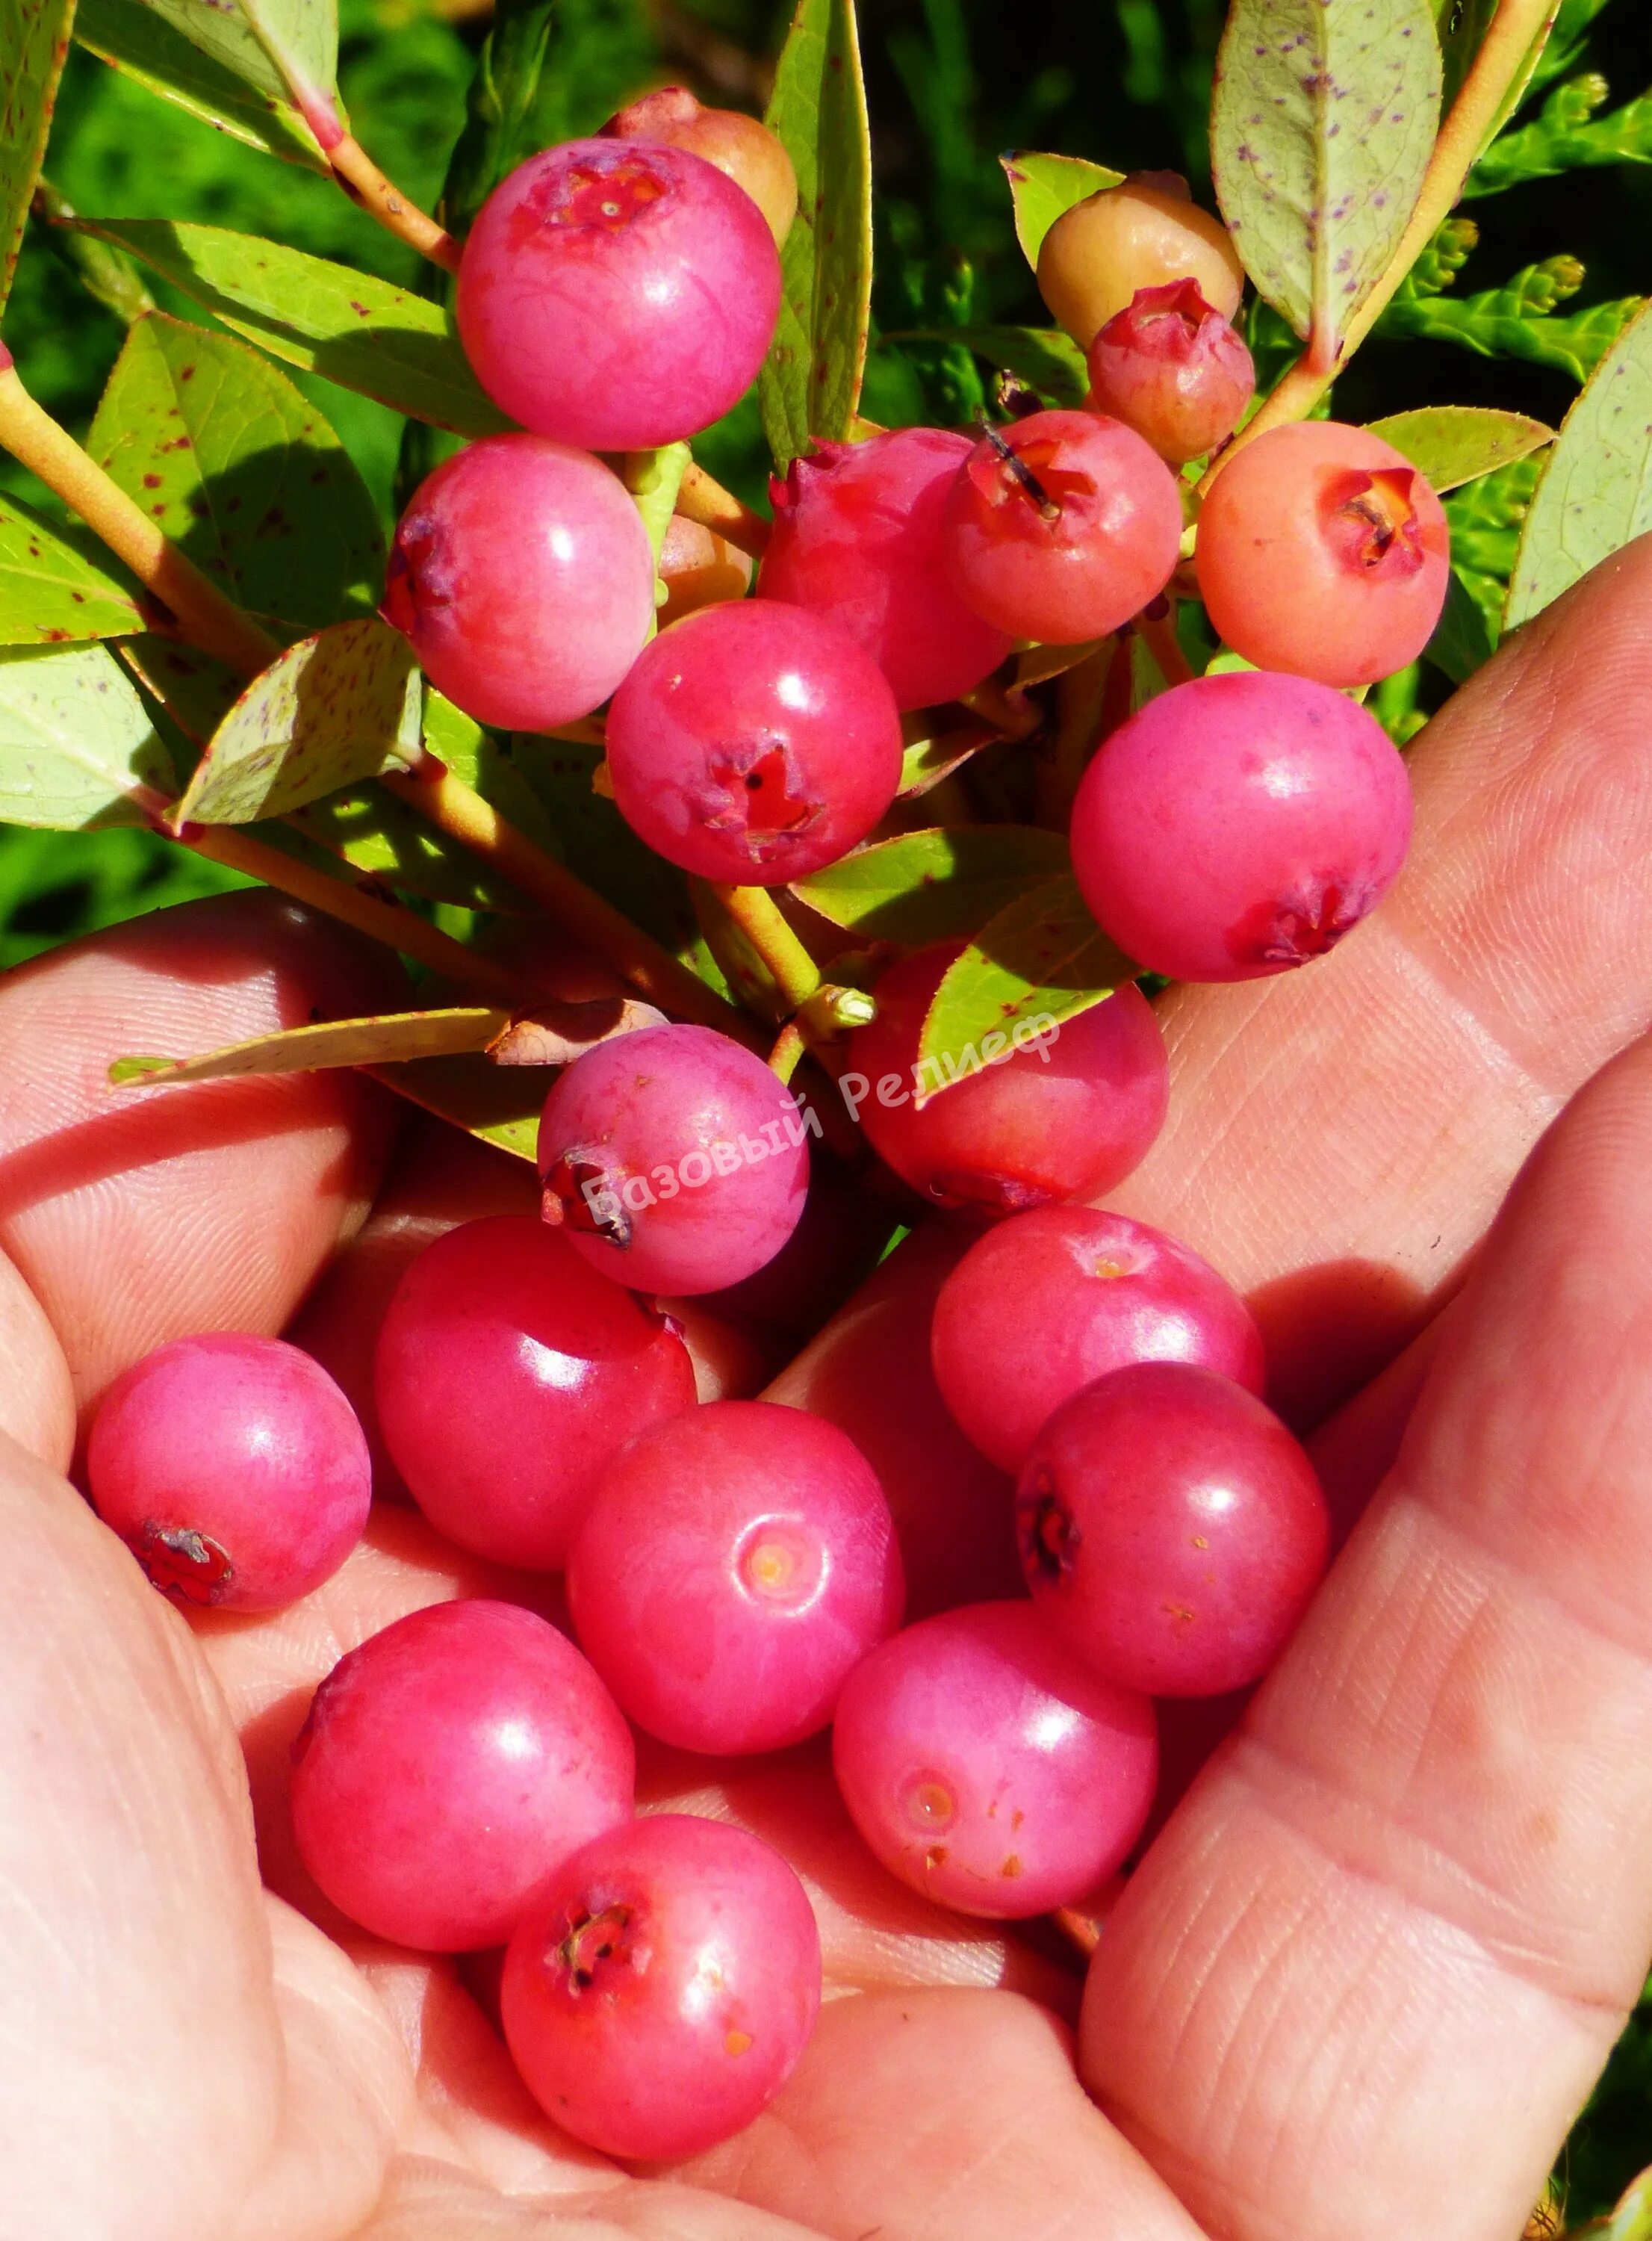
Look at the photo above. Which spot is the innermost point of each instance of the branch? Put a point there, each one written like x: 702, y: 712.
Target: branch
x: 702, y: 499
x: 755, y: 912
x: 1515, y: 30
x: 367, y: 185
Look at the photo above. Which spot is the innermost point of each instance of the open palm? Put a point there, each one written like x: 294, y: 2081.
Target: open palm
x: 1369, y: 1971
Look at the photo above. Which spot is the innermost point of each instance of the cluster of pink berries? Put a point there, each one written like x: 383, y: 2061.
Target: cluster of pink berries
x: 734, y: 1576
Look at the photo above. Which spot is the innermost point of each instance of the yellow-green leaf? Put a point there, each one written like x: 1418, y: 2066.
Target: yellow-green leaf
x: 499, y: 1104
x: 386, y: 1039
x: 933, y: 885
x: 811, y: 383
x: 76, y: 744
x: 242, y: 471
x: 1456, y: 444
x: 1321, y: 126
x: 50, y: 591
x: 926, y: 761
x: 1039, y: 962
x: 336, y: 708
x: 1597, y: 492
x: 1042, y: 187
x: 34, y: 39
x: 329, y: 320
x: 277, y: 45
x: 133, y: 39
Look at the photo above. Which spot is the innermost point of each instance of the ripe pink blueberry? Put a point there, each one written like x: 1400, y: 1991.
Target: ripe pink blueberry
x: 1323, y: 552
x: 508, y: 1372
x: 1172, y: 1531
x: 617, y: 294
x: 448, y: 1766
x: 1240, y: 825
x: 1171, y: 367
x: 1047, y: 1301
x: 753, y: 742
x: 234, y: 1469
x: 658, y: 1992
x: 1068, y: 1113
x: 988, y: 1768
x: 1062, y: 526
x: 675, y: 1160
x: 734, y: 1567
x: 753, y: 156
x: 859, y: 538
x: 522, y: 579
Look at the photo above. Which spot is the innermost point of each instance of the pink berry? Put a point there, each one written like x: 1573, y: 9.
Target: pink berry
x: 658, y: 1993
x: 675, y: 1158
x: 988, y: 1768
x: 1069, y: 1114
x: 1324, y: 552
x: 617, y: 294
x: 858, y: 537
x: 1172, y: 1531
x: 507, y: 1373
x: 840, y: 1235
x: 521, y: 576
x: 233, y: 1468
x: 1050, y: 1300
x: 753, y: 157
x: 1062, y: 526
x: 753, y: 743
x: 1239, y: 825
x: 733, y: 1568
x: 1171, y: 367
x: 448, y: 1766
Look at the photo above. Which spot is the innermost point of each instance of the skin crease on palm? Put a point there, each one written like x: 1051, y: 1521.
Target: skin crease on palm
x: 1362, y: 1981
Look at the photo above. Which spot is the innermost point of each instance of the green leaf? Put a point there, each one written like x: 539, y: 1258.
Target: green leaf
x: 75, y: 741
x: 34, y: 39
x: 1516, y: 320
x: 382, y: 1040
x: 1456, y: 444
x: 336, y: 708
x: 279, y: 46
x: 500, y: 109
x: 1039, y: 963
x: 1465, y: 636
x: 1042, y: 187
x: 1596, y: 495
x: 810, y: 385
x: 499, y: 1104
x: 1567, y: 137
x: 933, y: 885
x: 240, y: 469
x: 361, y: 332
x: 1485, y: 518
x: 1630, y: 2221
x: 133, y: 39
x: 1321, y: 126
x: 926, y: 761
x: 50, y: 591
x: 1045, y: 358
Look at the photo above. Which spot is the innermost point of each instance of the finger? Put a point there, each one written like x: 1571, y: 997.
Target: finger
x: 1381, y: 1954
x: 944, y: 2116
x: 140, y: 1215
x: 431, y: 2199
x: 37, y: 1397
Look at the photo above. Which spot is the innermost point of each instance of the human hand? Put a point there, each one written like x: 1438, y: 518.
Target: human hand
x: 1368, y: 1972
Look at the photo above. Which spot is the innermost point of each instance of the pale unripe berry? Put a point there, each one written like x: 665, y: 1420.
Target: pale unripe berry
x: 1062, y: 526
x: 753, y: 742
x: 987, y: 1767
x: 1137, y: 235
x: 521, y: 576
x: 699, y: 569
x: 616, y: 294
x: 745, y: 150
x: 1172, y: 368
x: 1240, y: 825
x: 860, y: 537
x: 1322, y: 551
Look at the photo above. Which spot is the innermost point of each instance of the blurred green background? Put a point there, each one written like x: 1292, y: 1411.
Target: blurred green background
x: 951, y: 83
